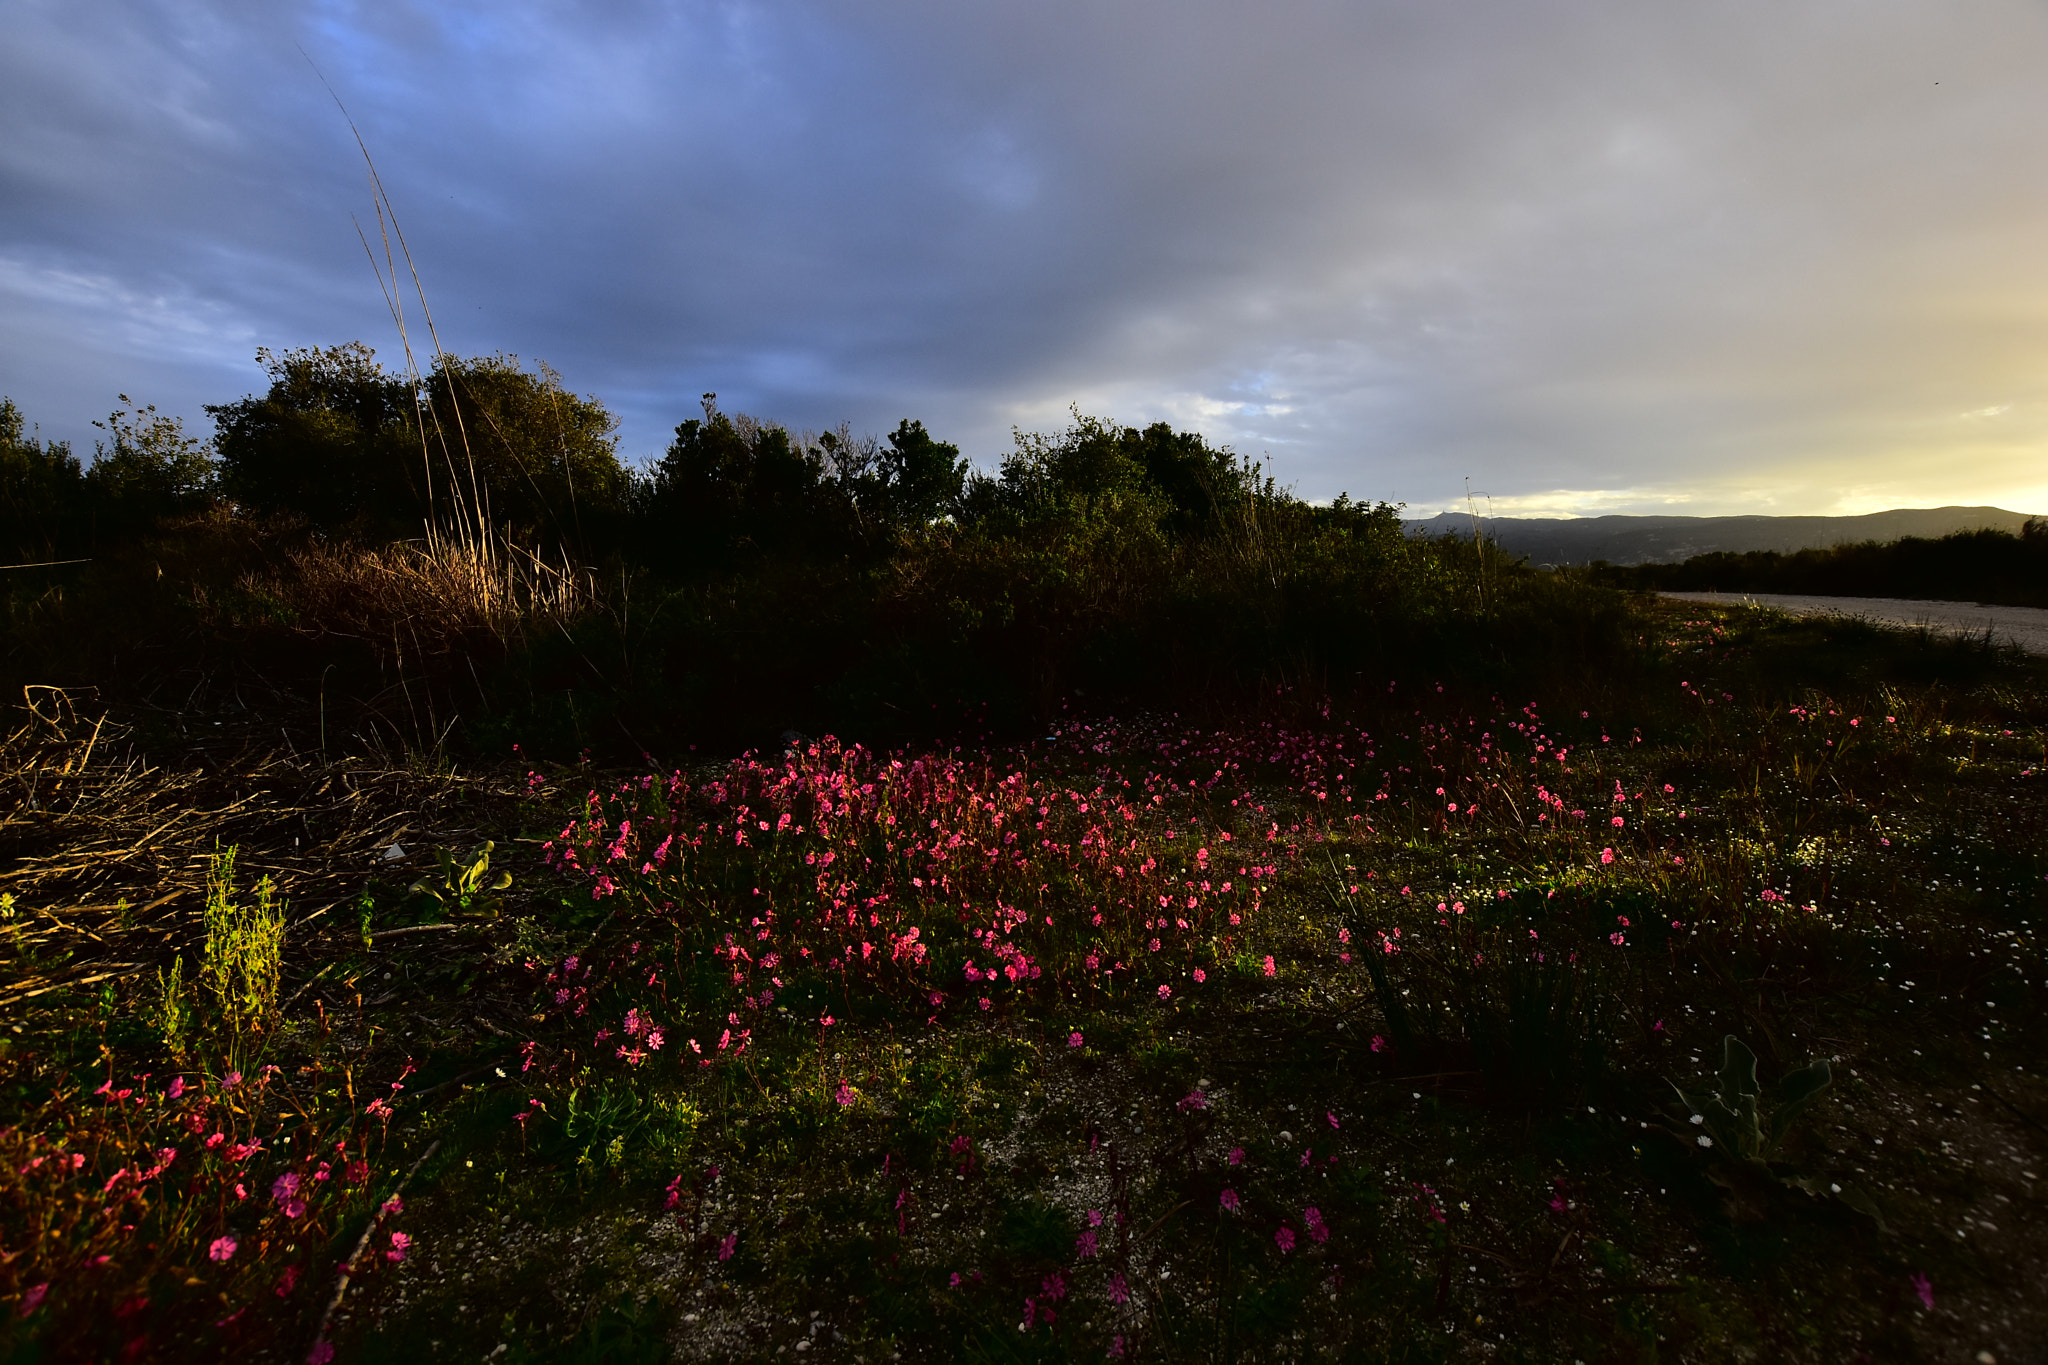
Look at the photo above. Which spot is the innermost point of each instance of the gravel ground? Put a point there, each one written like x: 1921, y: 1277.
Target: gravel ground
x: 2026, y: 627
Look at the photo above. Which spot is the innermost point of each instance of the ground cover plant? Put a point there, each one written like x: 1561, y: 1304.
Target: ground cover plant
x: 1686, y: 1007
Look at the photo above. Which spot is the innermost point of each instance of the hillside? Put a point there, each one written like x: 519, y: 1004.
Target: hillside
x: 1649, y: 540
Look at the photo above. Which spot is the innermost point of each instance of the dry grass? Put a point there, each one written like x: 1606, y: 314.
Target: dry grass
x: 105, y: 850
x: 434, y: 592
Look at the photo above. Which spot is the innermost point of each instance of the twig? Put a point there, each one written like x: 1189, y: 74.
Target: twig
x: 414, y: 929
x: 132, y: 969
x: 362, y: 1243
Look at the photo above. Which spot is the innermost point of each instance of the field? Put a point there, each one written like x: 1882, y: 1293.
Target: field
x: 1685, y: 1008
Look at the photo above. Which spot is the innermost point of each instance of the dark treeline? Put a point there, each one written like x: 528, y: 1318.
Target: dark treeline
x: 466, y: 546
x: 1989, y: 566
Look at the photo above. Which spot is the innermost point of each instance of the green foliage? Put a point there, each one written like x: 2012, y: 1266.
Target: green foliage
x: 148, y: 467
x: 1731, y: 1114
x: 42, y: 490
x: 171, y: 1015
x: 1985, y: 565
x: 353, y: 449
x: 244, y: 950
x: 731, y: 490
x: 335, y: 440
x: 466, y: 886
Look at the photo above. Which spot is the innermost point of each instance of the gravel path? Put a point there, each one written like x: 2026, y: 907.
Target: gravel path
x: 2026, y: 627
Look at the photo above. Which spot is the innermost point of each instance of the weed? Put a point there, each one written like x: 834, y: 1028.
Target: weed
x: 244, y: 949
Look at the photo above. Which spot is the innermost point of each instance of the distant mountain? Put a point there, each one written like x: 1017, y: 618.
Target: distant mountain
x: 1668, y: 540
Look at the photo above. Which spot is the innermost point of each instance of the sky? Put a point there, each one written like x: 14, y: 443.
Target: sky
x: 1594, y: 256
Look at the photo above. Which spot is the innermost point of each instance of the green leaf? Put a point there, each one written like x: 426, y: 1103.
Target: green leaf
x: 1797, y: 1091
x: 1738, y: 1069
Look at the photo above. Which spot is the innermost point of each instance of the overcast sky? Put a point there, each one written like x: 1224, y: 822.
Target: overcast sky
x: 1598, y: 255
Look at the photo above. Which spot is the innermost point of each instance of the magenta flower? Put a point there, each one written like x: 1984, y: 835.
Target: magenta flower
x: 394, y: 1205
x: 1086, y: 1245
x: 400, y: 1244
x: 1318, y: 1231
x: 222, y: 1248
x: 1228, y: 1199
x: 1073, y: 1040
x: 1119, y: 1292
x: 1379, y: 1043
x: 285, y: 1186
x: 1237, y: 1156
x: 1200, y: 976
x: 726, y: 1247
x: 1924, y: 1287
x: 844, y: 1095
x: 322, y: 1352
x: 1284, y: 1239
x: 1271, y: 970
x: 1165, y: 991
x: 33, y: 1299
x: 177, y: 1088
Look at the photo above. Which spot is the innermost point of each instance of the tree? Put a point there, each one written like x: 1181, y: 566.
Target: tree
x: 335, y: 440
x: 42, y: 490
x: 481, y: 444
x: 148, y: 468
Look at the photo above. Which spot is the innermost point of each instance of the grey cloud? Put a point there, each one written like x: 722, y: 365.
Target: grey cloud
x: 1578, y: 245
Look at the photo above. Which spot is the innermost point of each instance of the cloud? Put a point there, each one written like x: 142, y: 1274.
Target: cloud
x: 1733, y: 253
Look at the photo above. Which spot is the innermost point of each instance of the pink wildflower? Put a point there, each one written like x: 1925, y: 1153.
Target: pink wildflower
x: 1924, y: 1287
x: 1237, y: 1156
x: 1228, y: 1199
x: 400, y: 1243
x: 1284, y: 1239
x: 1165, y: 991
x: 1119, y: 1292
x: 1073, y: 1040
x: 1200, y: 976
x: 726, y: 1247
x: 33, y: 1299
x: 321, y: 1354
x: 222, y: 1248
x: 1271, y: 970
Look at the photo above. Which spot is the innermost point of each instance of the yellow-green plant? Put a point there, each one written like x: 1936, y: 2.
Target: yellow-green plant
x: 171, y: 1013
x: 244, y: 950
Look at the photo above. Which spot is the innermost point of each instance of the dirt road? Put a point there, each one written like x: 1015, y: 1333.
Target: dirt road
x: 2026, y: 627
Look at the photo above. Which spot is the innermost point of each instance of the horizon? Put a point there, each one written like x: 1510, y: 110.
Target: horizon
x: 1730, y: 261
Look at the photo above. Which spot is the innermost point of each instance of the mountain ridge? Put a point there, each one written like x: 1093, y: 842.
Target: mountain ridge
x: 1626, y: 540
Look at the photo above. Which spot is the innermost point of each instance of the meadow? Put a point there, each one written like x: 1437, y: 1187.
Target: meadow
x: 1109, y: 910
